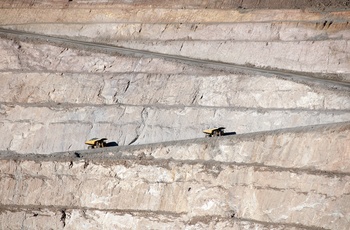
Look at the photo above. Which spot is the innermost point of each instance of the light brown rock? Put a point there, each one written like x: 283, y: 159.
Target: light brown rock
x: 57, y: 92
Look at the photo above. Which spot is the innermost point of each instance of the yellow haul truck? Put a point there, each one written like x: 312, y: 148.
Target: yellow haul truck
x: 214, y: 132
x: 96, y: 143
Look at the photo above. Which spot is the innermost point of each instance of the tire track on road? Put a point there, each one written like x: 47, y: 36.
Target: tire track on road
x: 99, y: 47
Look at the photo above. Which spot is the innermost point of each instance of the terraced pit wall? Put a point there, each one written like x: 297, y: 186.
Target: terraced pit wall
x: 291, y: 179
x: 80, y: 90
x: 143, y: 74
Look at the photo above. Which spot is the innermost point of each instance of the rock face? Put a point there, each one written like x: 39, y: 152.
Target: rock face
x: 150, y: 76
x: 250, y: 180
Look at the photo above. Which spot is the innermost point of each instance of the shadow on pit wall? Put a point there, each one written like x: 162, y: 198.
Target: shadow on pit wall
x: 111, y: 144
x: 229, y: 133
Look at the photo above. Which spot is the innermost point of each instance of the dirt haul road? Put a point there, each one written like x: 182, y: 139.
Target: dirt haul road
x: 228, y: 67
x: 248, y: 181
x: 294, y: 178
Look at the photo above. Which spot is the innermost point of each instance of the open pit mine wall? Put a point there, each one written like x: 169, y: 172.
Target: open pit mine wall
x: 289, y: 179
x: 55, y: 96
x: 72, y: 95
x: 295, y: 40
x: 191, y: 4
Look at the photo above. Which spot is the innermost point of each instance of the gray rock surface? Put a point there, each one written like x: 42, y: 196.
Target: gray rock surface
x: 74, y: 95
x: 68, y: 127
x: 278, y: 80
x: 274, y: 173
x: 309, y: 42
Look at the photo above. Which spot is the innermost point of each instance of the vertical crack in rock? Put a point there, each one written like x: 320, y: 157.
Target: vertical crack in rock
x: 195, y: 95
x: 18, y: 53
x: 137, y: 64
x: 165, y: 28
x: 133, y: 140
x: 144, y: 115
x: 194, y: 27
x: 24, y: 219
x: 63, y: 217
x: 140, y: 28
x: 10, y: 144
x: 127, y: 86
x: 330, y: 23
x: 18, y: 178
x: 239, y: 4
x: 122, y: 113
x: 182, y: 45
x: 99, y: 92
x: 115, y: 99
x: 86, y: 164
x: 194, y: 98
x: 82, y: 26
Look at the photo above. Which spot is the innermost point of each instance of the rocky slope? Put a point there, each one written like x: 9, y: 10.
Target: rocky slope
x: 72, y: 95
x: 289, y: 179
x: 142, y: 73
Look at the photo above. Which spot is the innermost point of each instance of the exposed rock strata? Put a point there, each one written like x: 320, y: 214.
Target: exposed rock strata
x: 274, y: 192
x: 322, y: 5
x: 189, y: 89
x: 215, y: 63
x: 149, y: 99
x: 317, y: 44
x: 67, y: 128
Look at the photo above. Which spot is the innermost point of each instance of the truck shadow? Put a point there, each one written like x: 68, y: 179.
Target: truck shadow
x: 111, y: 144
x: 229, y: 133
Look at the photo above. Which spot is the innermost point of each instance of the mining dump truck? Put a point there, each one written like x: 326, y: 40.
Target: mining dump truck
x: 214, y: 132
x: 96, y: 143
